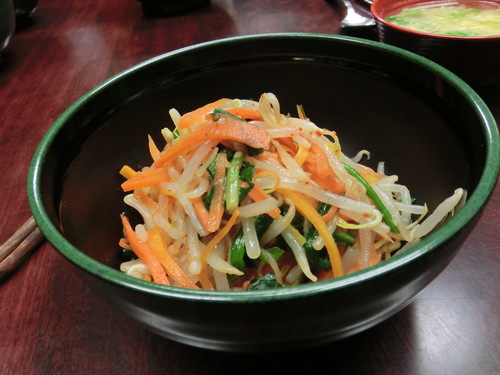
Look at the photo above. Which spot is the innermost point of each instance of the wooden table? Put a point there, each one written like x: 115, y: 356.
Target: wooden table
x: 50, y: 323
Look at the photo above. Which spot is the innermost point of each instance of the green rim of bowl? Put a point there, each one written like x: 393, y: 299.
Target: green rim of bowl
x: 473, y: 206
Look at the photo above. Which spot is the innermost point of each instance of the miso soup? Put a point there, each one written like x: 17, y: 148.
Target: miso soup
x: 454, y: 19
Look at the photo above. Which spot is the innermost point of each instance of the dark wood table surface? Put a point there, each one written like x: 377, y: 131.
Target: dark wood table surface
x: 50, y: 323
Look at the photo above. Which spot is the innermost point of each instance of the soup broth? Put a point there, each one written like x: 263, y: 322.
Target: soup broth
x: 458, y: 20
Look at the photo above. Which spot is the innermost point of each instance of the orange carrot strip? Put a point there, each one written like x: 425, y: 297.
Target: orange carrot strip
x: 245, y: 113
x: 153, y: 150
x: 310, y: 213
x: 219, y: 235
x: 330, y: 213
x: 322, y: 164
x: 124, y: 243
x: 288, y: 144
x: 201, y: 212
x: 270, y: 156
x: 301, y: 155
x: 204, y: 280
x: 159, y: 247
x: 145, y: 199
x: 258, y: 194
x: 210, y: 220
x: 369, y: 174
x: 230, y: 129
x: 332, y: 183
x: 144, y: 252
x: 148, y: 177
x: 326, y: 173
x: 345, y: 217
x: 198, y: 116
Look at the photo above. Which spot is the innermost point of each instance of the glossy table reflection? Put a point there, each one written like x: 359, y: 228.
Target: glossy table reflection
x: 50, y: 323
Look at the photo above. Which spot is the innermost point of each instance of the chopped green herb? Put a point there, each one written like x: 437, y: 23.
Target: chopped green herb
x: 233, y: 183
x: 375, y: 198
x: 275, y: 252
x: 264, y: 283
x: 238, y: 251
x: 218, y: 111
x: 254, y: 151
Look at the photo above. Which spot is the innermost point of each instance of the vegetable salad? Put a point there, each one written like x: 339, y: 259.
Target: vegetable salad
x: 243, y: 197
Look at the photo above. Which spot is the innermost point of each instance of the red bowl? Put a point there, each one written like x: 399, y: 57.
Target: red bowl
x: 476, y: 59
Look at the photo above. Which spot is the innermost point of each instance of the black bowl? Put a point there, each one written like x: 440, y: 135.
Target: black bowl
x: 429, y: 126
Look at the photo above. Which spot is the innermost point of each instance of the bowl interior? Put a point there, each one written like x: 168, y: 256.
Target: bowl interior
x: 427, y: 125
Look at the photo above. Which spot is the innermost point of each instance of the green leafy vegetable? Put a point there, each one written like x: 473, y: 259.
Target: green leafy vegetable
x: 343, y: 237
x: 375, y: 198
x: 238, y: 251
x: 275, y: 252
x: 233, y: 183
x: 247, y: 172
x: 264, y: 283
x: 218, y: 111
x: 252, y: 151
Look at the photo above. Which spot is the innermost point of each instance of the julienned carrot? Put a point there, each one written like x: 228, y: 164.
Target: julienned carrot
x: 369, y: 174
x: 330, y: 214
x: 270, y: 156
x: 201, y: 212
x: 288, y: 144
x: 245, y: 113
x: 217, y: 130
x: 159, y: 247
x: 326, y: 175
x: 148, y: 177
x: 124, y: 244
x: 322, y: 165
x: 301, y: 154
x: 310, y: 213
x: 153, y: 149
x: 144, y: 252
x: 219, y: 235
x: 258, y: 194
x: 210, y: 219
x: 145, y: 199
x: 127, y: 172
x: 198, y: 116
x: 205, y: 280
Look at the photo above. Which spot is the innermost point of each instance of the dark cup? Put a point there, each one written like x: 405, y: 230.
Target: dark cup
x: 168, y: 7
x: 7, y: 22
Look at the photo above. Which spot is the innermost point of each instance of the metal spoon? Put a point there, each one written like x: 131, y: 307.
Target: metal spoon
x: 355, y: 19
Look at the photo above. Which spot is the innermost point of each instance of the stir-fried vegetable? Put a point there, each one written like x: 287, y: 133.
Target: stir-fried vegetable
x: 244, y: 197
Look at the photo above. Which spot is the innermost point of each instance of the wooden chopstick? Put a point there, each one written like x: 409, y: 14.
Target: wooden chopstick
x: 17, y: 248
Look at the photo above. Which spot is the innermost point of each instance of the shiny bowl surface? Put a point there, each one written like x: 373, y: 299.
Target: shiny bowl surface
x: 428, y: 126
